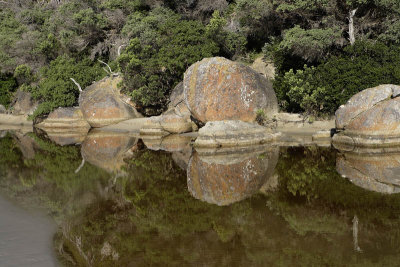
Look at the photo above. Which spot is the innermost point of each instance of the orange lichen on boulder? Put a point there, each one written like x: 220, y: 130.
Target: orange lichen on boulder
x: 102, y: 104
x: 219, y: 89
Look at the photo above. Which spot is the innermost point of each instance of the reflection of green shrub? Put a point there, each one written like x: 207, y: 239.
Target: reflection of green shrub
x: 308, y: 175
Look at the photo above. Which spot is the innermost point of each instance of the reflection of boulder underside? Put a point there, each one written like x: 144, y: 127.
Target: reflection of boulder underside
x: 380, y: 173
x: 107, y: 150
x: 224, y: 183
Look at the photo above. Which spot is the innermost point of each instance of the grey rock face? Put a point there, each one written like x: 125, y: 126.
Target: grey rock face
x: 370, y: 118
x: 364, y: 101
x: 23, y: 104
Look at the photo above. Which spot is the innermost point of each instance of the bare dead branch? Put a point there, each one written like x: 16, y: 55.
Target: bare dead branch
x: 352, y: 37
x: 77, y: 84
x: 109, y: 68
x: 119, y: 49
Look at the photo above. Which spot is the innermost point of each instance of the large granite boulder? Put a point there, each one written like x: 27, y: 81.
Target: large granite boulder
x: 218, y: 89
x: 223, y: 179
x: 23, y: 103
x: 364, y: 101
x: 370, y: 118
x: 232, y: 134
x: 65, y: 118
x: 374, y: 172
x: 102, y: 103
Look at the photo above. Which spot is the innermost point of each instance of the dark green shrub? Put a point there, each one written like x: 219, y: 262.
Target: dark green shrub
x: 23, y: 74
x: 161, y: 48
x: 56, y: 88
x: 322, y: 89
x: 8, y: 85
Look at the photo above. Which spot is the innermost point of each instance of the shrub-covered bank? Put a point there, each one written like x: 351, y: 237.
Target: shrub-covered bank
x: 324, y: 50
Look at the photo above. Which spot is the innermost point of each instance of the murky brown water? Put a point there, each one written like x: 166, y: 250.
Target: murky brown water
x: 115, y: 200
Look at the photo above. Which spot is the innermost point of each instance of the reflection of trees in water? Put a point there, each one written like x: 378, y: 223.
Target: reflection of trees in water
x: 149, y: 217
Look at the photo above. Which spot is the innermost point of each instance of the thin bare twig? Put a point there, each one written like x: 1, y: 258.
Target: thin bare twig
x: 109, y: 68
x: 119, y: 49
x: 77, y: 84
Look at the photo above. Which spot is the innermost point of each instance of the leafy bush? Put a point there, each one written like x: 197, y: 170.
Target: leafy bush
x: 23, y: 74
x: 322, y: 89
x: 56, y: 88
x: 311, y: 45
x: 8, y: 85
x: 231, y: 43
x: 161, y: 48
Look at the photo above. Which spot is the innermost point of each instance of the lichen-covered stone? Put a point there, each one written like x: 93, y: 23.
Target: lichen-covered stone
x: 102, y: 104
x: 364, y: 101
x: 379, y: 172
x: 225, y: 180
x: 65, y: 118
x: 219, y: 89
x: 232, y: 134
x: 383, y: 119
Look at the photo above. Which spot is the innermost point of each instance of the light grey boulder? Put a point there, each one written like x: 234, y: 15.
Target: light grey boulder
x: 23, y: 103
x: 232, y: 134
x: 364, y: 101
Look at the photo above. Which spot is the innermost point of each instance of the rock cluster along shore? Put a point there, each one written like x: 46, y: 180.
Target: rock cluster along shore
x: 223, y: 95
x: 220, y: 96
x: 370, y: 118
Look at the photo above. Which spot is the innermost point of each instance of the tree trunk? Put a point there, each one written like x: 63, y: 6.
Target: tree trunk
x: 351, y: 26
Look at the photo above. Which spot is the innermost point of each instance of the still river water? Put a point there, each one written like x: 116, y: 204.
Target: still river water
x: 109, y: 199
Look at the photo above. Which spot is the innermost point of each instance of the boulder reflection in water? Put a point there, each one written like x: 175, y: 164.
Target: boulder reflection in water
x: 107, y: 150
x: 224, y: 179
x: 375, y: 172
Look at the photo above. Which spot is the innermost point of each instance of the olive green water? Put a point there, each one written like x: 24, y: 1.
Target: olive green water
x: 128, y: 205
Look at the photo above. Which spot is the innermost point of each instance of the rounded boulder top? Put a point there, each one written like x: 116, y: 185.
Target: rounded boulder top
x: 218, y: 89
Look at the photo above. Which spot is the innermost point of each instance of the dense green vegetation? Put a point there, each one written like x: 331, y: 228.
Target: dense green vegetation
x: 152, y: 42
